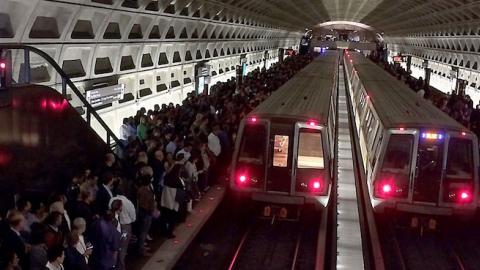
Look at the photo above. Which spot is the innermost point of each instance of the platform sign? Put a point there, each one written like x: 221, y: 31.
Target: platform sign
x: 398, y: 59
x: 105, y: 95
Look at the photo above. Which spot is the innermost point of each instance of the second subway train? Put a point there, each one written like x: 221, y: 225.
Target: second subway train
x: 416, y: 158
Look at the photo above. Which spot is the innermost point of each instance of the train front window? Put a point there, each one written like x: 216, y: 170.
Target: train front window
x: 394, y: 173
x: 458, y: 184
x: 398, y: 155
x: 310, y: 151
x: 252, y: 148
x: 460, y: 159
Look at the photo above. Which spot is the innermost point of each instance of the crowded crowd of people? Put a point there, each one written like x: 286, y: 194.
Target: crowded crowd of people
x: 169, y: 157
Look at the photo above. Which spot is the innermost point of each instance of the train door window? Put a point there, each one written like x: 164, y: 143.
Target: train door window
x: 310, y: 150
x: 395, y: 170
x: 280, y: 153
x: 458, y: 184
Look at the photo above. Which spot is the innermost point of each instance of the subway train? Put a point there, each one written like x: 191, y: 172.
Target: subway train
x: 415, y: 157
x: 284, y: 154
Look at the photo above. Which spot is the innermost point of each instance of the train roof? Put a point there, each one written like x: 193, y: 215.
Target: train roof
x: 395, y: 103
x: 305, y: 96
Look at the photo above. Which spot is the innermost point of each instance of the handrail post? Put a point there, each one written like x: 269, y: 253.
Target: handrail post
x: 64, y: 86
x: 26, y: 59
x: 108, y: 140
x: 89, y: 116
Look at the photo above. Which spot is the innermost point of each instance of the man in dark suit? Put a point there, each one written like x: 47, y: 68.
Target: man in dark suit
x: 106, y: 243
x: 104, y: 193
x: 13, y: 241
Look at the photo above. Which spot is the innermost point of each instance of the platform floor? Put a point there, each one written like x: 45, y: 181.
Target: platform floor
x: 166, y: 256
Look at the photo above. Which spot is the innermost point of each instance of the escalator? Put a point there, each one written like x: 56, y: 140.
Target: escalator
x: 44, y: 141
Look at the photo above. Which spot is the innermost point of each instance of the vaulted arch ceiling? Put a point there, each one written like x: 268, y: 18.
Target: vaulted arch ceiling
x: 425, y: 28
x: 394, y: 17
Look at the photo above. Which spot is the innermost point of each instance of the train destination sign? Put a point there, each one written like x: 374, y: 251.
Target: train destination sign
x: 105, y: 95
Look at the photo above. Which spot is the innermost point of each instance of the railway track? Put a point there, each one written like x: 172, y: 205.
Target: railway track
x: 405, y: 248
x: 270, y: 244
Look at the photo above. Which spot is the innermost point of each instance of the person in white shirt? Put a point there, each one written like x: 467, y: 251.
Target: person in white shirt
x: 214, y: 142
x: 173, y: 145
x: 60, y: 208
x: 126, y: 217
x: 186, y: 151
x: 56, y: 256
x: 124, y: 130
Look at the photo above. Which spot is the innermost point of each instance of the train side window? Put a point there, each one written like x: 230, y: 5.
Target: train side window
x: 280, y: 151
x: 252, y: 148
x: 310, y: 150
x: 460, y: 159
x: 398, y: 154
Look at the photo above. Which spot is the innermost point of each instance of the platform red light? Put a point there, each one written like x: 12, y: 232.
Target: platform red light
x: 253, y: 119
x: 3, y: 65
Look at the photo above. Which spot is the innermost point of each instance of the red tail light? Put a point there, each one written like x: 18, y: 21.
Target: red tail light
x: 242, y: 179
x: 316, y: 185
x: 462, y: 195
x: 465, y: 196
x: 391, y: 185
x: 387, y: 189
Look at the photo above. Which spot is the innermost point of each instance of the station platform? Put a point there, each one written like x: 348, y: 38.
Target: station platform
x: 166, y: 256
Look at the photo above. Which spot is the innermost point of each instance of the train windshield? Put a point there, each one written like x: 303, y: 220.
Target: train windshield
x: 252, y: 149
x: 460, y: 159
x: 397, y: 157
x: 458, y: 184
x: 310, y: 150
x: 395, y: 171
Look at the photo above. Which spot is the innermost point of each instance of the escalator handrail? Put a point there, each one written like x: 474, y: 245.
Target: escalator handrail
x: 69, y: 82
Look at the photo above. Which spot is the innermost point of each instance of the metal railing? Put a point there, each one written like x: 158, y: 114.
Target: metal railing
x: 111, y: 139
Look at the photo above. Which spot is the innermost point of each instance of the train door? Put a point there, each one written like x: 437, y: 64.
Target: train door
x: 279, y: 170
x: 310, y: 160
x: 429, y: 170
